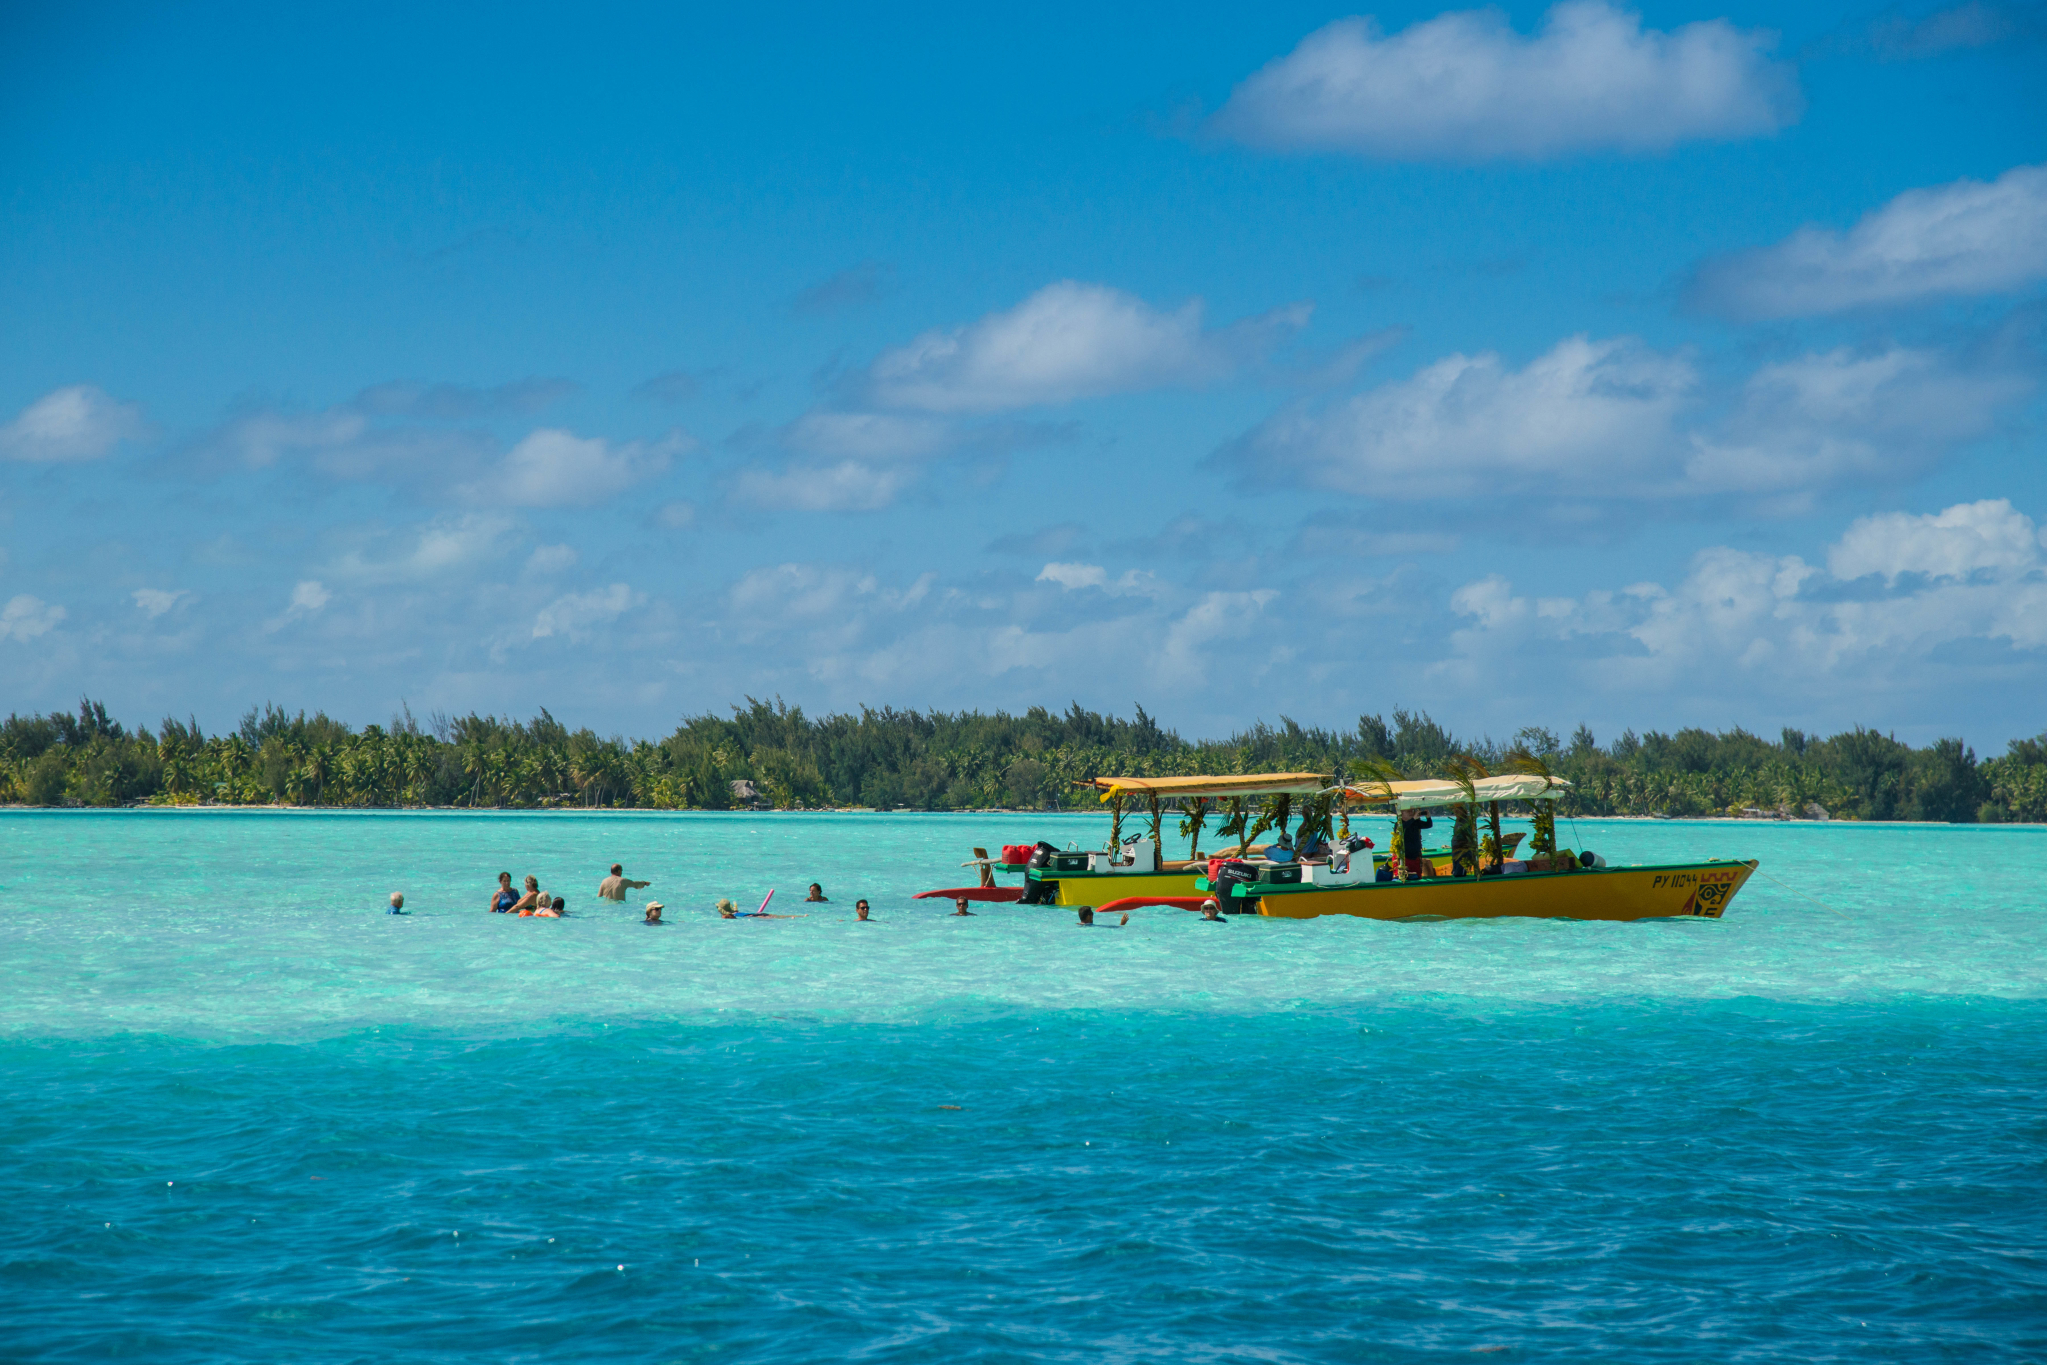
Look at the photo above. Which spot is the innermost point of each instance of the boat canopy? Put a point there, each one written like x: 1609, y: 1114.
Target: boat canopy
x: 1242, y: 784
x: 1438, y: 791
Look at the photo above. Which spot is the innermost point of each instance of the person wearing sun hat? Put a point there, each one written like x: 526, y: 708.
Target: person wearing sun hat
x: 654, y: 912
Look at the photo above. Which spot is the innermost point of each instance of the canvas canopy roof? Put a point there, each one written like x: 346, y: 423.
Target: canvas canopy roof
x: 1241, y: 784
x: 1442, y: 792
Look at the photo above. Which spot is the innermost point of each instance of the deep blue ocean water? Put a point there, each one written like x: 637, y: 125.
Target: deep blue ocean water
x: 249, y: 1117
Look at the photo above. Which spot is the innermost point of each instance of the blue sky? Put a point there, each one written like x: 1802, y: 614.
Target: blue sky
x: 1638, y: 367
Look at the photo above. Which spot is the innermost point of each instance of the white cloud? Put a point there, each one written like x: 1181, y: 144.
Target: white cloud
x: 679, y: 515
x: 1823, y: 419
x: 343, y: 442
x: 853, y: 461
x: 1466, y: 86
x: 1966, y: 539
x: 25, y: 617
x: 379, y: 432
x: 1746, y: 623
x: 260, y: 439
x: 1074, y: 577
x: 1959, y: 239
x: 1069, y: 341
x: 552, y: 467
x: 847, y: 486
x: 799, y: 591
x: 870, y: 435
x: 575, y: 614
x: 440, y: 548
x: 551, y: 559
x: 1614, y: 418
x: 1217, y: 616
x: 154, y: 602
x: 78, y: 422
x: 308, y: 598
x: 1588, y: 415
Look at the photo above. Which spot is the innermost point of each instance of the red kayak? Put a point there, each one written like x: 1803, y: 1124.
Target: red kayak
x: 973, y: 893
x: 1135, y: 902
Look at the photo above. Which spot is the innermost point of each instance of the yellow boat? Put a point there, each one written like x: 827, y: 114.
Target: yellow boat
x: 1557, y: 884
x: 1138, y: 867
x: 1608, y: 893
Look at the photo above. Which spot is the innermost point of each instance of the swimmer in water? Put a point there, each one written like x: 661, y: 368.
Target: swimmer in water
x: 551, y: 909
x: 860, y: 912
x: 527, y: 902
x: 1087, y: 919
x: 653, y: 912
x: 961, y: 902
x: 1211, y: 913
x: 397, y: 903
x: 817, y: 896
x: 727, y: 910
x: 504, y: 898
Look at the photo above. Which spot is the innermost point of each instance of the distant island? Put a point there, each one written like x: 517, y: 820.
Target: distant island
x: 767, y: 754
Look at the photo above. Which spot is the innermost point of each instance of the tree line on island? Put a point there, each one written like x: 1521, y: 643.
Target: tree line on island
x: 771, y: 754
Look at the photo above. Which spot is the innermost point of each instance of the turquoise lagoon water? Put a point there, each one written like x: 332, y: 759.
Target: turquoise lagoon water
x: 249, y: 1117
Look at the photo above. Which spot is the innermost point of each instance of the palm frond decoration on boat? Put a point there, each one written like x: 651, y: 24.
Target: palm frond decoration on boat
x: 1465, y: 772
x: 1194, y: 816
x: 1525, y: 761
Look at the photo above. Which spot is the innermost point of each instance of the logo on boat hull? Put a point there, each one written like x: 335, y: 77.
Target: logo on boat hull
x: 1710, y: 889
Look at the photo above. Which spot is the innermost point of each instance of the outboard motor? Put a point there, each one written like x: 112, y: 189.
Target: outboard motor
x: 1224, y: 884
x: 1041, y: 890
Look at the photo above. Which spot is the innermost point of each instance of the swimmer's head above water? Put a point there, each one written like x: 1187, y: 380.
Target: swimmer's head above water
x: 726, y: 909
x: 654, y: 912
x: 860, y: 909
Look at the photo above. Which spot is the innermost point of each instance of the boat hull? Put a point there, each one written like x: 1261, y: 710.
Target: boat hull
x: 1670, y: 891
x: 1096, y: 888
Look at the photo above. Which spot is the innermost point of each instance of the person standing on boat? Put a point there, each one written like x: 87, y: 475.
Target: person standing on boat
x: 1412, y: 823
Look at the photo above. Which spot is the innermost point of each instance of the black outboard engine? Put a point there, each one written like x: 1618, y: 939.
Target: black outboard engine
x: 1041, y: 890
x: 1228, y: 878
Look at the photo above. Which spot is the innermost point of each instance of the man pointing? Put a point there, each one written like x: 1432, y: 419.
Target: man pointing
x: 613, y: 888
